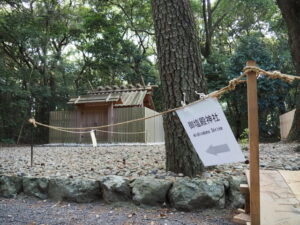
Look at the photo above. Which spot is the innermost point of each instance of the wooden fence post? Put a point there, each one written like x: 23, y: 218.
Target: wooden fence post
x: 253, y: 145
x: 31, y: 146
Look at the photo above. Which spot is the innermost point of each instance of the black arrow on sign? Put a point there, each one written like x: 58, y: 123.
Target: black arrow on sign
x: 215, y: 150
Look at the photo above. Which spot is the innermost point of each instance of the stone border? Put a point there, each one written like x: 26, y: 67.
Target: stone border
x: 182, y: 193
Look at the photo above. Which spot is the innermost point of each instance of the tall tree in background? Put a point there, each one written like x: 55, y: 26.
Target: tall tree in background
x: 33, y: 36
x: 211, y: 23
x: 50, y: 50
x: 290, y: 10
x: 181, y: 72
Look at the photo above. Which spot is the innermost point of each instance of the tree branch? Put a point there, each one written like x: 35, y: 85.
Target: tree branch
x: 9, y: 54
x: 217, y: 23
x: 215, y: 6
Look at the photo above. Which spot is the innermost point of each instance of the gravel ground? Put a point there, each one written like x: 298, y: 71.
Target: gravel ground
x: 25, y: 210
x: 89, y: 162
x: 128, y: 161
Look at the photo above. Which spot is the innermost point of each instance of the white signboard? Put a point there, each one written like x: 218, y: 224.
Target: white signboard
x: 210, y: 133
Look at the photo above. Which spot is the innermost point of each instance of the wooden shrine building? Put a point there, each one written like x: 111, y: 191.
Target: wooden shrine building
x: 108, y: 105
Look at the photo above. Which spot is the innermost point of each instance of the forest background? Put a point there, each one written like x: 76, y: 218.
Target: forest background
x: 51, y: 50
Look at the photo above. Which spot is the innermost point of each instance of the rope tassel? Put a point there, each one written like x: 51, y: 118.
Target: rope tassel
x: 32, y: 120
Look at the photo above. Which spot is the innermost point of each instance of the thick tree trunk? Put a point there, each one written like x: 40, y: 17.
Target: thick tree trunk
x: 181, y: 72
x: 290, y: 10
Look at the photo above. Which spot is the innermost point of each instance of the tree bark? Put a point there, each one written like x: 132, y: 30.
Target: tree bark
x: 290, y: 10
x: 180, y: 72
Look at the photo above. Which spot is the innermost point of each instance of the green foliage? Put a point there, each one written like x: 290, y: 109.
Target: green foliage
x: 215, y: 68
x: 7, y: 141
x: 271, y: 93
x: 248, y: 30
x: 51, y: 50
x: 244, y: 139
x: 111, y: 55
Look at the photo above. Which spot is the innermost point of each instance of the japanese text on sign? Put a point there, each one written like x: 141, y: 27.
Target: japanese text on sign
x: 204, y: 120
x: 210, y: 133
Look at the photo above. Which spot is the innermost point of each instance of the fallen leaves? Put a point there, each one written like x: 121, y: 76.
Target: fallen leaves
x: 131, y: 215
x: 32, y: 223
x: 162, y: 215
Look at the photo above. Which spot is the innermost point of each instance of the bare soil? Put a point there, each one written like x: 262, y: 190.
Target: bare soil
x: 25, y: 210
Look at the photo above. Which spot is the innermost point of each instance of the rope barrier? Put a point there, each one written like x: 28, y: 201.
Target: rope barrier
x: 216, y: 94
x: 116, y: 132
x: 103, y: 131
x: 85, y: 132
x: 64, y: 130
x: 272, y: 75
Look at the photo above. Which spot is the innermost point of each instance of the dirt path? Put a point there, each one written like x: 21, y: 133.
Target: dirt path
x: 31, y: 211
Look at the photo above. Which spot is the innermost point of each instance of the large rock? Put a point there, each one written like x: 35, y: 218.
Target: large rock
x: 35, y: 186
x: 150, y: 191
x: 189, y: 194
x: 10, y: 186
x: 115, y: 188
x: 76, y: 190
x: 297, y: 148
x: 235, y: 198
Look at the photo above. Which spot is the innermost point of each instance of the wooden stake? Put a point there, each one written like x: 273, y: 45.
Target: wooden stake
x: 254, y: 145
x: 31, y: 149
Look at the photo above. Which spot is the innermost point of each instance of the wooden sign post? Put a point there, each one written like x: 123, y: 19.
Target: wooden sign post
x: 253, y: 145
